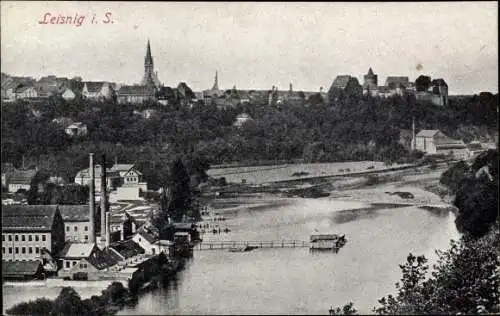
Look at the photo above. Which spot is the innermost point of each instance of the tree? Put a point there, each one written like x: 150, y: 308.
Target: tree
x: 422, y: 83
x: 68, y: 303
x: 180, y: 191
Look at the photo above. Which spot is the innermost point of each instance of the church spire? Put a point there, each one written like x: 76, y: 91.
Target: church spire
x: 370, y: 72
x: 149, y: 58
x: 216, y: 82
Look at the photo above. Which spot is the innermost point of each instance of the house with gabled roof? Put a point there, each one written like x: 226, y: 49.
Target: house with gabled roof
x: 76, y: 222
x: 22, y: 270
x: 27, y: 230
x: 97, y: 90
x: 21, y: 179
x: 135, y: 94
x: 435, y: 142
x: 26, y: 92
x: 84, y: 261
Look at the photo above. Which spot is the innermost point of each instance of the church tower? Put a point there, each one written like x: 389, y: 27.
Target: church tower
x: 150, y: 77
x: 216, y: 82
x: 370, y: 83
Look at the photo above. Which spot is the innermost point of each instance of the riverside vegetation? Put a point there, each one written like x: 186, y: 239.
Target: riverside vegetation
x: 466, y: 278
x: 158, y: 273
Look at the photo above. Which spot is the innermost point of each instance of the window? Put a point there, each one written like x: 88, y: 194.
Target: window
x: 3, y: 237
x: 17, y: 249
x: 74, y: 263
x: 37, y: 238
x: 153, y: 251
x: 44, y: 238
x: 10, y: 237
x: 76, y: 228
x: 3, y: 249
x: 37, y: 250
x: 67, y: 264
x: 30, y: 238
x: 30, y: 250
x: 86, y: 237
x: 67, y: 228
x: 23, y: 250
x: 23, y: 238
x: 10, y: 249
x: 16, y: 238
x: 86, y: 228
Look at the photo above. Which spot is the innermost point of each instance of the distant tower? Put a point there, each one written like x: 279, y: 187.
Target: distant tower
x: 291, y: 88
x: 216, y: 82
x: 370, y: 81
x: 150, y: 76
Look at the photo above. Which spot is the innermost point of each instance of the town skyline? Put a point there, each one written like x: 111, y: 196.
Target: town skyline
x: 254, y: 42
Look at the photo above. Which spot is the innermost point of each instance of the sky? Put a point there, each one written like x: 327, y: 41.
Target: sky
x: 255, y: 45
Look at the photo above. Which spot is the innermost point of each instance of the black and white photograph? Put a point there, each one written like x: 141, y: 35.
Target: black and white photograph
x: 249, y: 158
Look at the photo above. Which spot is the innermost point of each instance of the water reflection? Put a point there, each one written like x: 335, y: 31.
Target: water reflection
x: 293, y: 280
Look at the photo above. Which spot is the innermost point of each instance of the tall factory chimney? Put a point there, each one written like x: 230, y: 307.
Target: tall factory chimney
x: 104, y: 199
x: 91, y: 200
x: 108, y: 237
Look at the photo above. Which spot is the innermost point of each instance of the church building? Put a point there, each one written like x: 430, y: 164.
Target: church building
x: 147, y: 89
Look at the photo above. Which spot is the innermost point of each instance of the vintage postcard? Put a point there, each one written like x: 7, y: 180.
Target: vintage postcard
x: 249, y: 158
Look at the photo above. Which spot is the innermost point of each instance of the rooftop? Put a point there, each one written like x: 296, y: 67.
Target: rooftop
x: 77, y: 250
x: 428, y: 133
x: 127, y: 248
x: 28, y: 217
x: 20, y: 268
x: 74, y: 213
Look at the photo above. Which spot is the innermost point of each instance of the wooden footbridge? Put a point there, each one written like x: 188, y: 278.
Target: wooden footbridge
x: 213, y: 245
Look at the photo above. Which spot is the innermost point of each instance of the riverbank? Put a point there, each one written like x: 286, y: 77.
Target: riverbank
x: 93, y: 295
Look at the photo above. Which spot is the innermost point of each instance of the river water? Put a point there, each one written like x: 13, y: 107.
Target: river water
x: 293, y: 280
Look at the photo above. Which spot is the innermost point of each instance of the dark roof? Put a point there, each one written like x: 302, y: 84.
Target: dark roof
x: 22, y: 88
x: 28, y: 217
x: 147, y: 234
x: 22, y: 176
x: 395, y: 82
x: 112, y: 254
x: 103, y: 259
x: 136, y: 90
x: 127, y: 248
x: 341, y: 81
x: 20, y: 268
x: 370, y: 72
x: 439, y: 82
x: 74, y: 213
x: 94, y: 86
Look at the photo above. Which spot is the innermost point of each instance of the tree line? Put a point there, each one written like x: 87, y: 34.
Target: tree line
x: 365, y: 128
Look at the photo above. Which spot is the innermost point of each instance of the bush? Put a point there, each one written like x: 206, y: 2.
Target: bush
x: 454, y: 176
x: 41, y: 306
x: 464, y: 281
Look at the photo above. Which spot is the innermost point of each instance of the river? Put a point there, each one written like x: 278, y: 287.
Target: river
x: 293, y: 280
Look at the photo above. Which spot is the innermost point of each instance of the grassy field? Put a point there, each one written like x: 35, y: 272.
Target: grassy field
x: 264, y: 174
